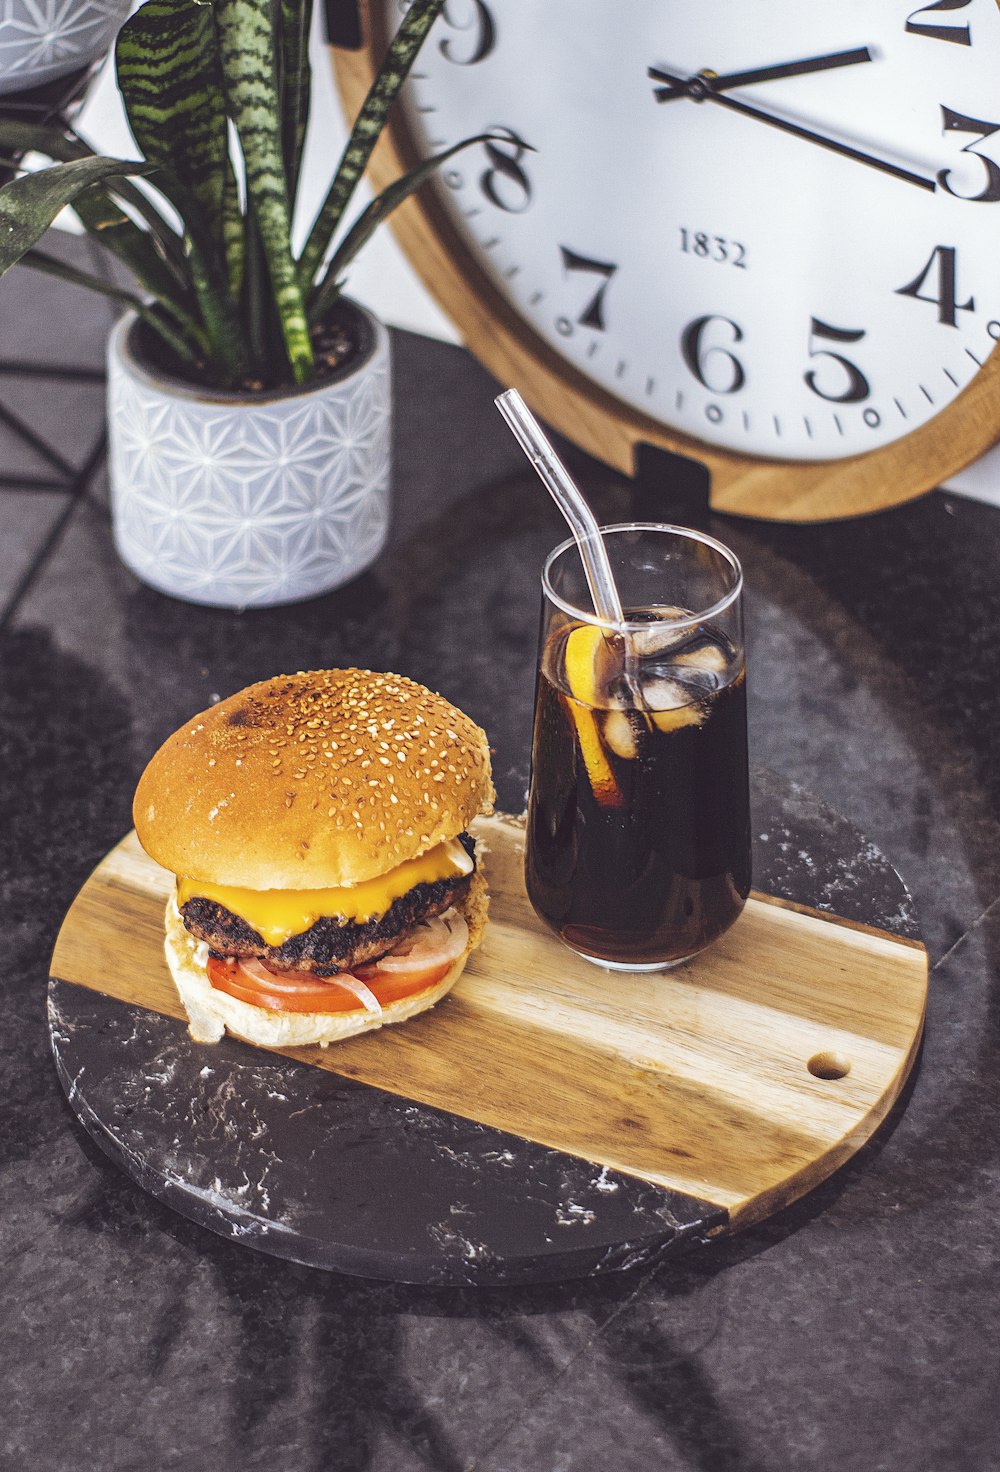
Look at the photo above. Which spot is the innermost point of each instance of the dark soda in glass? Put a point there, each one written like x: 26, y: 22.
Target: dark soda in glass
x: 638, y: 830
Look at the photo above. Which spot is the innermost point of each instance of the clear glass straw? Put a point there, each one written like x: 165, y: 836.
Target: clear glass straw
x: 569, y: 498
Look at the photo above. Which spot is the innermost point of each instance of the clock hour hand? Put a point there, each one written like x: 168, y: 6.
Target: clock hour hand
x: 923, y: 181
x: 696, y: 87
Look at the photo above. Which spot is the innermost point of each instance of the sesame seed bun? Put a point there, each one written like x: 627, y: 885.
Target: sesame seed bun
x: 322, y: 778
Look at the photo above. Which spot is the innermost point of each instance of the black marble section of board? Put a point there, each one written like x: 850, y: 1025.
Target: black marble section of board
x: 807, y: 852
x: 306, y: 1165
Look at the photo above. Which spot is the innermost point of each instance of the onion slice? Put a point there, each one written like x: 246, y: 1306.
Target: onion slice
x: 275, y: 982
x: 364, y: 994
x: 272, y: 980
x: 438, y: 941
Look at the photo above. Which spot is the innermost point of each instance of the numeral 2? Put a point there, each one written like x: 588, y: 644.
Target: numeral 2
x: 961, y: 35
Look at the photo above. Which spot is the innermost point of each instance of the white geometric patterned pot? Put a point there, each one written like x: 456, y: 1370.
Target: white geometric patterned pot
x: 41, y: 40
x: 249, y: 501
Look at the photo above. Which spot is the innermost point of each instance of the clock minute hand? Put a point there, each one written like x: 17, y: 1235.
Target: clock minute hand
x: 797, y: 131
x: 697, y: 86
x: 833, y: 144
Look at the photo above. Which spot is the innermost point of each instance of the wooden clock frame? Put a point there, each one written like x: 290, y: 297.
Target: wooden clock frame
x: 741, y: 485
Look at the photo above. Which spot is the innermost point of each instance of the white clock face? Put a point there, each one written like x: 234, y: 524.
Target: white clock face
x: 802, y: 264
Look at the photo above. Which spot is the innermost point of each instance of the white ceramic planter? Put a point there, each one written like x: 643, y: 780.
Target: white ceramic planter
x: 249, y: 502
x: 41, y: 40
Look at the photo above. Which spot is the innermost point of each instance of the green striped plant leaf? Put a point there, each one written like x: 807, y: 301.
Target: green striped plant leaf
x: 169, y: 73
x: 21, y: 137
x: 30, y: 203
x: 233, y: 232
x: 102, y: 218
x: 169, y: 245
x: 393, y: 72
x: 170, y: 76
x: 324, y: 296
x: 248, y: 61
x: 263, y: 326
x: 296, y: 87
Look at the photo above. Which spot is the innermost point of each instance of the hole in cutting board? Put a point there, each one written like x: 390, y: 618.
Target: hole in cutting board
x: 829, y: 1065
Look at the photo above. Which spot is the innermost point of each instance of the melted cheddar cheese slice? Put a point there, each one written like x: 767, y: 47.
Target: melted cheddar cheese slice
x: 277, y: 914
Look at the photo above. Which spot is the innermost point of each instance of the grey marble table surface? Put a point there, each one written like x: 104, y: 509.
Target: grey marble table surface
x: 856, y: 1328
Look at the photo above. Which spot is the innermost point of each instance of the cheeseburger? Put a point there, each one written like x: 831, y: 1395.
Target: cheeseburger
x: 326, y: 881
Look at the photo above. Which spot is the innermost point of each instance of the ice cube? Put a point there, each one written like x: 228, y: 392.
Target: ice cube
x: 675, y: 720
x: 673, y: 704
x: 700, y: 662
x: 660, y: 634
x: 663, y: 694
x: 704, y: 654
x: 620, y: 734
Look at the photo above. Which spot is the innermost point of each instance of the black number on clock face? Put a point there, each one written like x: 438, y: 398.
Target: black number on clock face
x: 856, y: 388
x: 703, y: 357
x: 593, y: 313
x: 721, y: 372
x: 946, y: 298
x: 473, y: 17
x: 955, y: 122
x: 505, y: 182
x: 713, y: 247
x: 961, y: 35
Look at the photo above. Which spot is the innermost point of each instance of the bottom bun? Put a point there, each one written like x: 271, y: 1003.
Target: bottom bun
x: 212, y: 1013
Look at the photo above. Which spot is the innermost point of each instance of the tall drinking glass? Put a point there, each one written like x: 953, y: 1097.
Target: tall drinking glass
x: 638, y: 837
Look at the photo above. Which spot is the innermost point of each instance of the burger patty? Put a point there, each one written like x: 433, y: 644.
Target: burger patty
x: 330, y: 944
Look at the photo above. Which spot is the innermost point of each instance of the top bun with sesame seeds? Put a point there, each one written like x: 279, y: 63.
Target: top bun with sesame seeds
x: 326, y: 883
x: 322, y: 778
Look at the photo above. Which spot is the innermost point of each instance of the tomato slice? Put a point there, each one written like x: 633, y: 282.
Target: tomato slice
x: 392, y: 986
x: 303, y: 992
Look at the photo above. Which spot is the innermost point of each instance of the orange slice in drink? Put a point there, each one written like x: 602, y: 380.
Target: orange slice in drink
x: 586, y: 653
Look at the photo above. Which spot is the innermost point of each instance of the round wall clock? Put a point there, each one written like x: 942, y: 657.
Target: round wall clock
x: 764, y: 236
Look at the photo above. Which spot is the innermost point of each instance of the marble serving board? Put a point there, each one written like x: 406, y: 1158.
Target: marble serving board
x: 547, y: 1119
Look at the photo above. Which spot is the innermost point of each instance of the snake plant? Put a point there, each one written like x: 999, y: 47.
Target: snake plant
x: 217, y: 97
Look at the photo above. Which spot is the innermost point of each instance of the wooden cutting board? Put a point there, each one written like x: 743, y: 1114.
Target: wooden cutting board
x: 742, y: 1078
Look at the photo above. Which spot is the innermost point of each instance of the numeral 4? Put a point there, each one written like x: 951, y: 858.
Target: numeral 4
x: 946, y: 298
